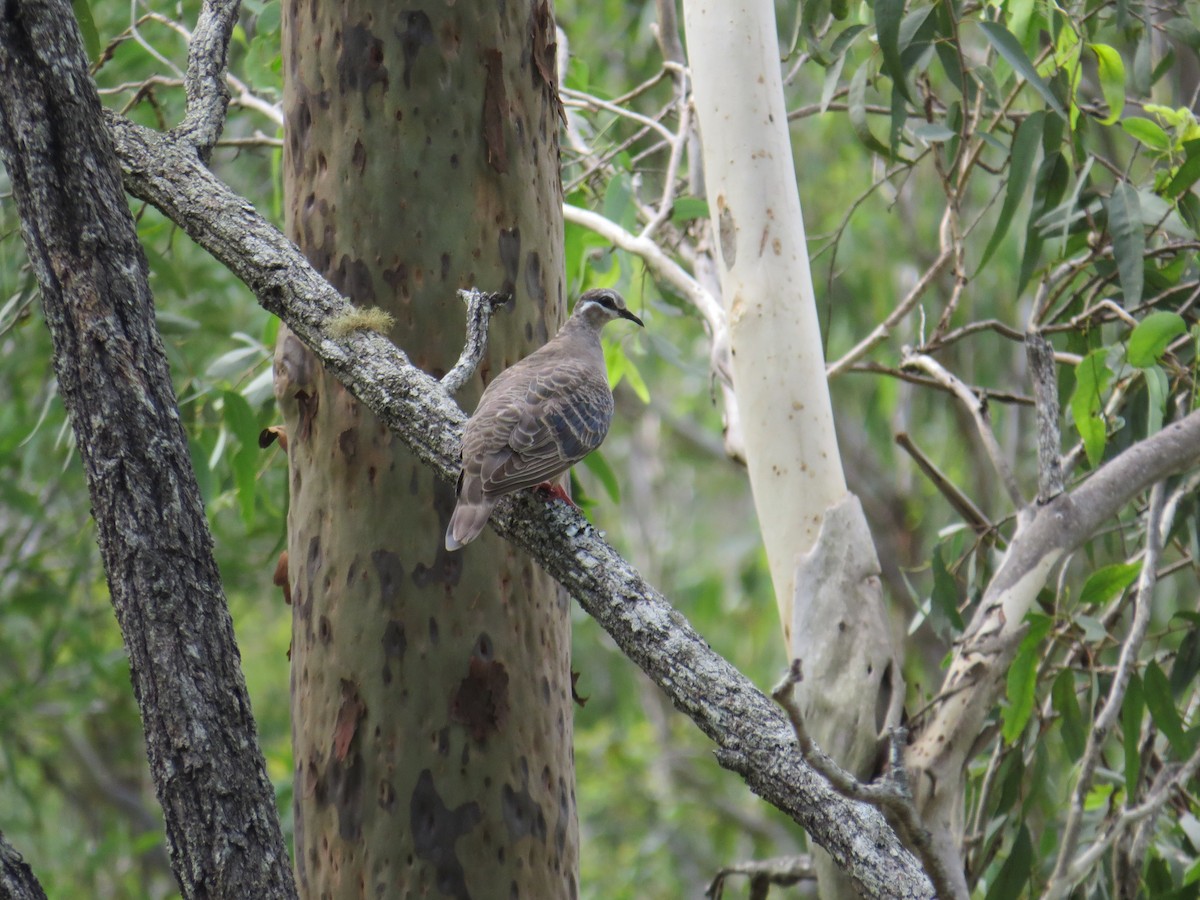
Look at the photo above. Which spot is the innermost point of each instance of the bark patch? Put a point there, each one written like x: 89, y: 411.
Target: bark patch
x: 495, y: 111
x: 360, y: 64
x: 390, y: 572
x: 522, y: 814
x: 481, y: 699
x: 416, y: 33
x: 435, y: 830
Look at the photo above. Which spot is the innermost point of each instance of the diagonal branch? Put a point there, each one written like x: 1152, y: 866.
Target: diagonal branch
x: 752, y: 737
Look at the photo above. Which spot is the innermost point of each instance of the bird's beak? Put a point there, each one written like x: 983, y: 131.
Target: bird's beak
x: 626, y: 314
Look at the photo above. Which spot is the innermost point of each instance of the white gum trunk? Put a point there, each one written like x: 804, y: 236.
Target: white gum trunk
x: 778, y: 362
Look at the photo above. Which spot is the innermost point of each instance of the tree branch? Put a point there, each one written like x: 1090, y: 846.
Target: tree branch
x: 204, y: 83
x: 752, y: 737
x: 17, y: 881
x: 480, y: 307
x: 890, y: 795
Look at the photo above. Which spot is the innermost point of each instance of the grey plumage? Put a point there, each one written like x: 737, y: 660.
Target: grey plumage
x: 538, y: 417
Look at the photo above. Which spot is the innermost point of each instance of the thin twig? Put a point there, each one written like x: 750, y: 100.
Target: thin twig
x: 978, y: 412
x: 480, y: 307
x: 884, y: 328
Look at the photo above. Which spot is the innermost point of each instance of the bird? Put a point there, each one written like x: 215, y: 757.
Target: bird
x: 538, y: 417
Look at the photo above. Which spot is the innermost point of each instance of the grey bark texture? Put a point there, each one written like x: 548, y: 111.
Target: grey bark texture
x: 223, y: 831
x: 752, y: 736
x: 17, y: 881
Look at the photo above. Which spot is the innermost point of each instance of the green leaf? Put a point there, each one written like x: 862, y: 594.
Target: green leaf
x: 888, y: 14
x: 87, y: 27
x: 1022, y: 677
x: 598, y: 466
x: 1010, y: 48
x: 1024, y: 150
x: 1161, y: 703
x: 685, y: 209
x: 633, y: 377
x: 1187, y: 661
x: 1111, y: 70
x: 1185, y: 176
x: 1129, y: 239
x: 1131, y: 731
x: 1157, y: 388
x: 856, y: 100
x: 1070, y: 719
x: 618, y: 201
x: 1149, y: 133
x: 1013, y: 877
x: 943, y: 599
x: 1092, y: 376
x: 1108, y: 583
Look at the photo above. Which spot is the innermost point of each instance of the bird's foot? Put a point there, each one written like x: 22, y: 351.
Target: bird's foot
x: 548, y: 491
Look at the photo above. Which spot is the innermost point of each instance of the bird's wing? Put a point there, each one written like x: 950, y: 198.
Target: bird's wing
x: 543, y: 426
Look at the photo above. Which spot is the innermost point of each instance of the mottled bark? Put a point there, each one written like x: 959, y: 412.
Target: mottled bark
x: 222, y: 828
x: 17, y: 881
x: 431, y: 691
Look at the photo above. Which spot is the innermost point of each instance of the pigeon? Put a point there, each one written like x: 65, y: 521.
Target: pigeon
x: 538, y: 417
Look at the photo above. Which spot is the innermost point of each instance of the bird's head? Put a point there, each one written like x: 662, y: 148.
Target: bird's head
x: 599, y: 306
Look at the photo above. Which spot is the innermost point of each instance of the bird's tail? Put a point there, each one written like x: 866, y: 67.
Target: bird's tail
x: 469, y: 518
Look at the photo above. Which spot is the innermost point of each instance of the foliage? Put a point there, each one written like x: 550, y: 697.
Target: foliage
x: 1038, y: 160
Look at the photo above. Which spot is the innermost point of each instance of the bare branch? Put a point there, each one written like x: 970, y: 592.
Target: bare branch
x: 480, y: 307
x: 960, y: 502
x: 783, y: 871
x: 978, y: 412
x: 1043, y: 371
x: 884, y: 328
x: 207, y: 92
x: 17, y: 881
x: 890, y: 796
x: 1061, y: 881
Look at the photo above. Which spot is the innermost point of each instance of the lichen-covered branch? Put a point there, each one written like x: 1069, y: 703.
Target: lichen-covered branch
x: 204, y: 83
x: 480, y: 307
x: 751, y: 735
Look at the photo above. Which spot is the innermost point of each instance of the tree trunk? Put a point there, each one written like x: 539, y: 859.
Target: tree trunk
x: 222, y: 827
x: 431, y: 691
x: 823, y: 562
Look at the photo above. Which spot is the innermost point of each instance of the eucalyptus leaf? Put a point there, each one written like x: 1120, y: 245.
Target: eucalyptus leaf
x: 1129, y: 239
x: 1010, y: 48
x: 1151, y: 336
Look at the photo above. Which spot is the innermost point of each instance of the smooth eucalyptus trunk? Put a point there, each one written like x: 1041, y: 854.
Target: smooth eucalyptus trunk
x: 430, y: 691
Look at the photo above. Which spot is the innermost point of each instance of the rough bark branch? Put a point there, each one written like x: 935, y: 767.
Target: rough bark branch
x: 890, y: 795
x: 1042, y: 370
x: 752, y: 737
x: 480, y: 307
x: 17, y: 881
x: 222, y: 826
x: 204, y: 83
